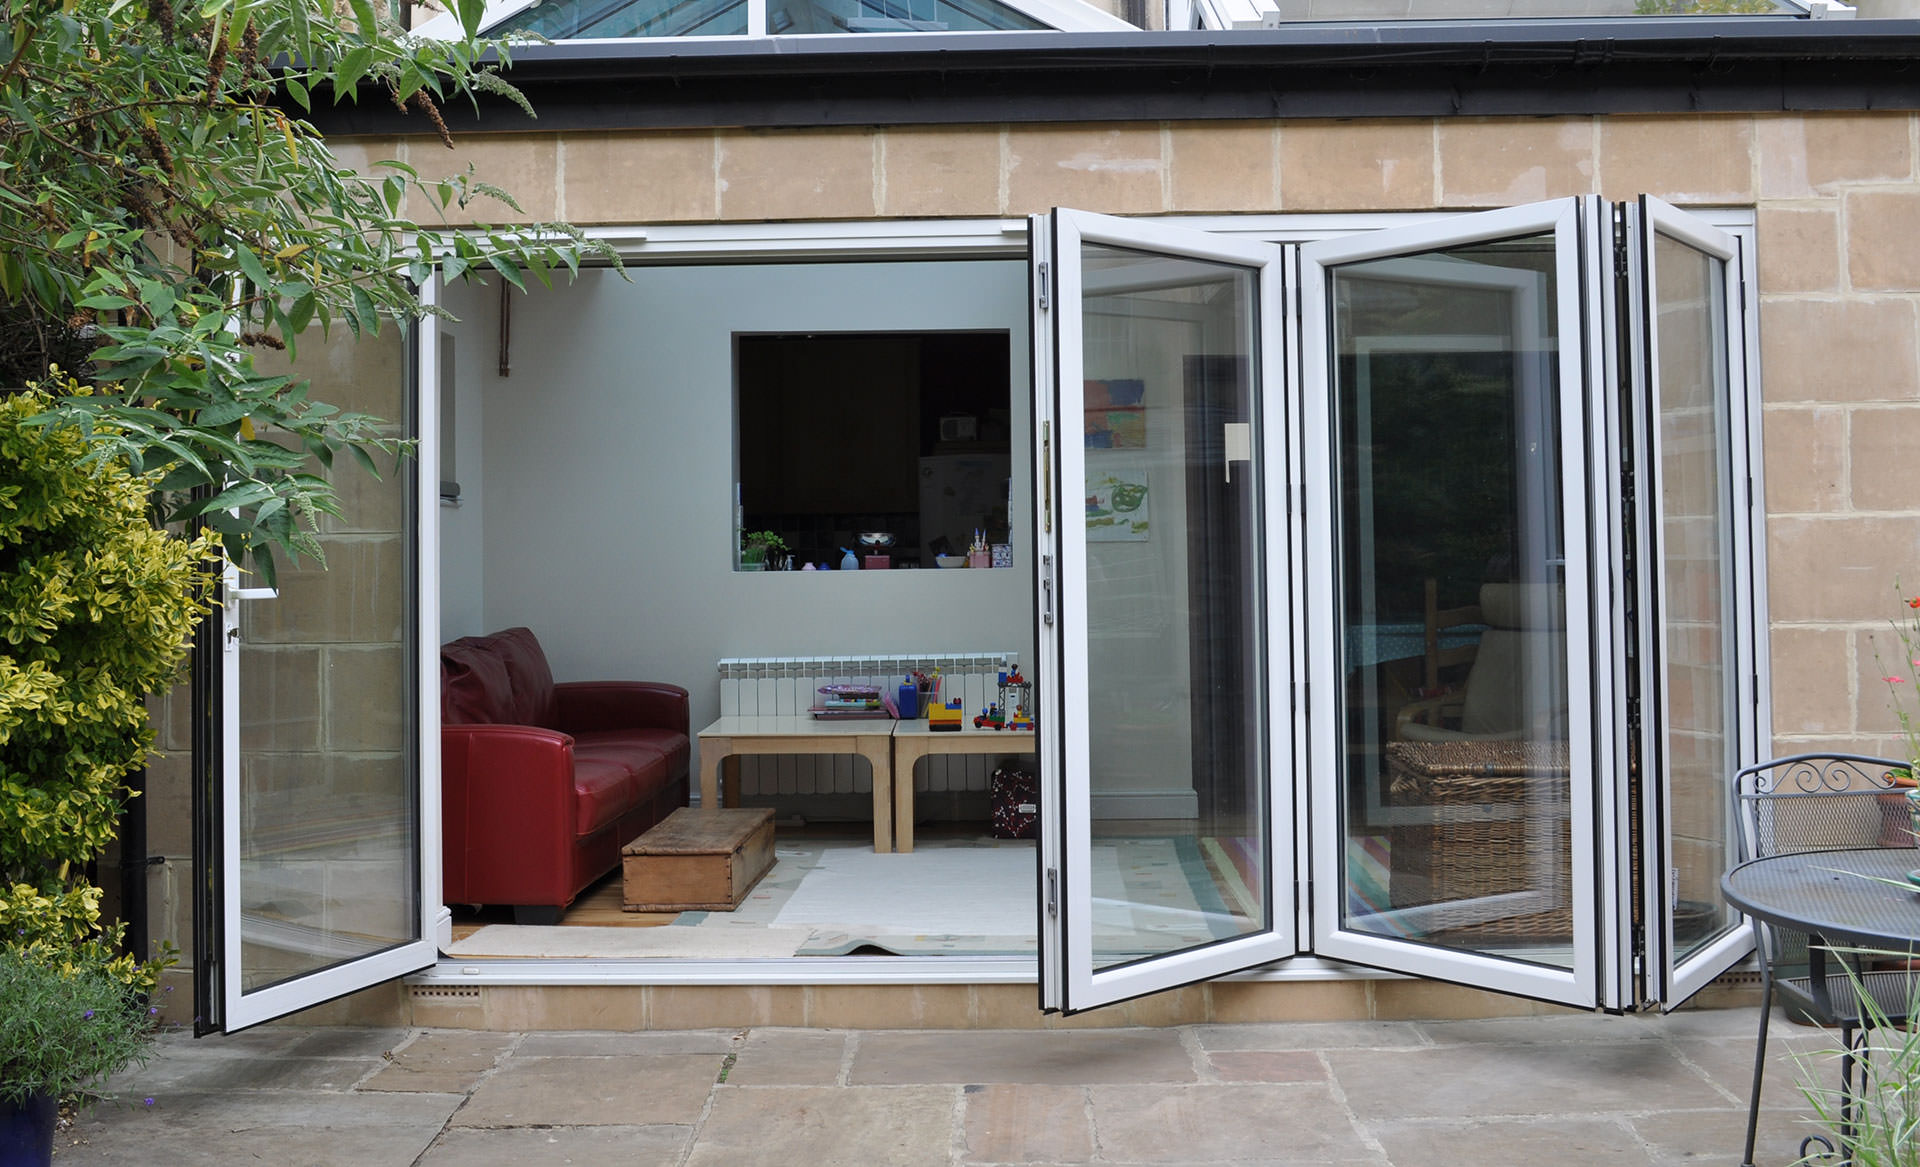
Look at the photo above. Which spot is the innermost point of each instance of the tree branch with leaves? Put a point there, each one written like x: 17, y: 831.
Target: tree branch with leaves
x: 165, y: 213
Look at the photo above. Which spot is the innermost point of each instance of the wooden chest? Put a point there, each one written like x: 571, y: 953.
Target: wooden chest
x: 697, y: 859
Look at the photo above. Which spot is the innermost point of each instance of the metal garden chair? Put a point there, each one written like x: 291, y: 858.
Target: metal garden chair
x: 1819, y: 802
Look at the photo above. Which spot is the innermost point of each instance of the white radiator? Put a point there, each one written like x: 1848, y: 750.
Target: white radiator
x: 788, y: 686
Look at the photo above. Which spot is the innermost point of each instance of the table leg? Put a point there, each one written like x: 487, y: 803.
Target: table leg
x: 713, y: 753
x: 904, y: 757
x: 879, y: 754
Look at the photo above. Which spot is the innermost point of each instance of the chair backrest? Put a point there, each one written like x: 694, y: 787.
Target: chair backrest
x: 1517, y: 683
x: 1439, y: 620
x: 1814, y: 802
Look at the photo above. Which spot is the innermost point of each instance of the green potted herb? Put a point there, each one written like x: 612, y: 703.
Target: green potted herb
x: 757, y: 546
x: 63, y: 1029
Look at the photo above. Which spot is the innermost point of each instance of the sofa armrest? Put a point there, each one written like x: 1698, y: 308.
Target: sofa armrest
x: 508, y: 812
x: 589, y: 706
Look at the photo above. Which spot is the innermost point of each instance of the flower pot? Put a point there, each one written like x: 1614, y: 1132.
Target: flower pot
x: 1897, y: 821
x: 26, y: 1131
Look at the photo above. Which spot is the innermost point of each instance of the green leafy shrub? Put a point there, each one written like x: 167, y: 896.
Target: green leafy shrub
x: 96, y: 608
x: 63, y: 1030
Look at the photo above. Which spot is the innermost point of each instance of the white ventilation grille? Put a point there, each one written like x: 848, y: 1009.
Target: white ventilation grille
x: 787, y: 686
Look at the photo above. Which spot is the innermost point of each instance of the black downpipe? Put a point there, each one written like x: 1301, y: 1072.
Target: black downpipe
x: 207, y: 825
x: 135, y: 941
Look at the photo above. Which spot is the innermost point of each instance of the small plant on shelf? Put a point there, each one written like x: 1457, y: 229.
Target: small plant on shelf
x: 756, y: 547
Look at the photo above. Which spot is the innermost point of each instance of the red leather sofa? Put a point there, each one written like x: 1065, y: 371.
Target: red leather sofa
x: 543, y: 783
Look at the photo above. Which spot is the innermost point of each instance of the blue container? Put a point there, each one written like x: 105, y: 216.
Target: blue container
x: 908, y: 701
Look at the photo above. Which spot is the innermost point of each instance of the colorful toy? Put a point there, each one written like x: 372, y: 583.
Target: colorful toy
x: 945, y: 718
x: 1015, y: 713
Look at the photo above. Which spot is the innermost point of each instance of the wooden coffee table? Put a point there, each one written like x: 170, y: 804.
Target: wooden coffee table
x: 912, y: 741
x: 731, y: 737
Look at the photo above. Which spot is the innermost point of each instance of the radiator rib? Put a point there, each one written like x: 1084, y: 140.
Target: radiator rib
x: 786, y: 686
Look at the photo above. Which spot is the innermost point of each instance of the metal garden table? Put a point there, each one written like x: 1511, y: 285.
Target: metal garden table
x: 1857, y: 899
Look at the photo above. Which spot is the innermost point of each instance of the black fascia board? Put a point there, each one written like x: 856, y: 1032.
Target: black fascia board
x: 1418, y: 69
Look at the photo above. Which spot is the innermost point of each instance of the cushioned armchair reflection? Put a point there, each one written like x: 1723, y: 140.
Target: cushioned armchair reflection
x: 1516, y: 686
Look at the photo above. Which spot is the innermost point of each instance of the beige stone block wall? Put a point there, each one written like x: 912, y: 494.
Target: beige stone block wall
x: 1838, y: 203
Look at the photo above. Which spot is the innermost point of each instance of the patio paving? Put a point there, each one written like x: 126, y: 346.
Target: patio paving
x: 1567, y: 1089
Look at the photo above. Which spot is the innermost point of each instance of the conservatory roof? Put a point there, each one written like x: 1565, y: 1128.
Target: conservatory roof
x: 567, y: 20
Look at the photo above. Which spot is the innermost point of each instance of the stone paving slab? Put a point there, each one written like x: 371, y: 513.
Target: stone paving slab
x: 1512, y: 1079
x: 888, y: 1126
x: 284, y: 1128
x: 1007, y: 1123
x: 560, y: 1146
x: 790, y: 1057
x: 1300, y: 1122
x: 1567, y: 1090
x: 1069, y: 1058
x: 672, y: 1088
x: 1312, y: 1035
x: 627, y: 1045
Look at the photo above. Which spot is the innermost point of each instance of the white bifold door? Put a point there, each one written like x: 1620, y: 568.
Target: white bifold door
x: 1166, y: 583
x: 1395, y: 600
x: 324, y: 874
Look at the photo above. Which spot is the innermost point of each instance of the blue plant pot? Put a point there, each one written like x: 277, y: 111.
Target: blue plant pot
x: 26, y: 1132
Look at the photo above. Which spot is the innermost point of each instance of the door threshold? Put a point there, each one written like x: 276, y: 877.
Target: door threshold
x: 856, y: 970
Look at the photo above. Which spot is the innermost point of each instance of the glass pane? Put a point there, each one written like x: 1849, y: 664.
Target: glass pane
x: 1173, y: 595
x: 329, y: 864
x: 1452, y: 600
x: 607, y: 19
x: 1697, y: 604
x: 811, y: 16
x: 1378, y: 10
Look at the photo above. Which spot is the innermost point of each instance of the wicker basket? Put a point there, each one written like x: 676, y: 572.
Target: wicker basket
x: 1495, y: 823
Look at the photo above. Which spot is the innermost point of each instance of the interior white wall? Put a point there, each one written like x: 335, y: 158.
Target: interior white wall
x: 601, y: 478
x: 462, y: 610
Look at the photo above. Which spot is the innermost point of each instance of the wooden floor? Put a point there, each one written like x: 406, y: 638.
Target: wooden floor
x: 598, y: 906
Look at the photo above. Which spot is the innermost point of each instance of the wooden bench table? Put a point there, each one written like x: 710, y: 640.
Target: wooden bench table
x: 732, y: 737
x: 912, y: 741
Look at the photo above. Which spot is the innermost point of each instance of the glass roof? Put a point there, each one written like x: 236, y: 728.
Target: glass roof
x: 1376, y: 10
x: 603, y: 19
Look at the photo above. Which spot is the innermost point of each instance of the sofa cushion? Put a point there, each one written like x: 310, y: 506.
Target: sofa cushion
x: 603, y: 790
x: 533, y: 700
x: 657, y: 756
x: 474, y: 685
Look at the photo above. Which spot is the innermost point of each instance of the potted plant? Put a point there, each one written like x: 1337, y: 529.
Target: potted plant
x: 63, y: 1029
x: 1900, y: 807
x: 1876, y: 1121
x: 757, y: 546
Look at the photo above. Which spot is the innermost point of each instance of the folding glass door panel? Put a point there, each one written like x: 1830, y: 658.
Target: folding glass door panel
x: 324, y: 869
x: 1445, y: 414
x: 1697, y: 661
x: 1164, y: 827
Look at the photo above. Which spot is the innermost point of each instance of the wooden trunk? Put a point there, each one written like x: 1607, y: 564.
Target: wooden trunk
x: 698, y: 859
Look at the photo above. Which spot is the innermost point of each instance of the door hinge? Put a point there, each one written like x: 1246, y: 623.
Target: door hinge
x: 1053, y: 893
x: 1045, y: 298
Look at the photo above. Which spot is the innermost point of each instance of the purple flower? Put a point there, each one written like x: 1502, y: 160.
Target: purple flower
x: 149, y: 1102
x: 87, y: 1016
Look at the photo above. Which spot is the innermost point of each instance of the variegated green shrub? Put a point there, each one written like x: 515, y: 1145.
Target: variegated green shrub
x: 96, y: 609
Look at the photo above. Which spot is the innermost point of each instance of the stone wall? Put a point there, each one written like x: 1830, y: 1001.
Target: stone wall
x: 1837, y: 197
